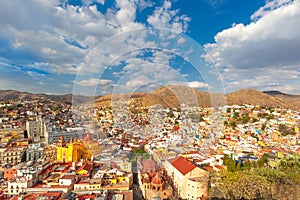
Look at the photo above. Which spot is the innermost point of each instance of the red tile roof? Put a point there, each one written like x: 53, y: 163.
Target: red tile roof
x: 49, y: 169
x: 69, y: 176
x: 183, y: 165
x: 48, y: 195
x: 86, y: 196
x: 88, y: 166
x: 219, y: 167
x: 209, y: 168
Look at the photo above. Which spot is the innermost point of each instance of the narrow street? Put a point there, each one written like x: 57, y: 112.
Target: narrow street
x: 137, y: 193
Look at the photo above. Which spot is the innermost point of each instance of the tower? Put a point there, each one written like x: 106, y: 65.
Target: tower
x: 36, y: 129
x: 74, y: 151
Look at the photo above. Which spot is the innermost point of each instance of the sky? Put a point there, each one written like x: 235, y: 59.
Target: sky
x: 103, y: 46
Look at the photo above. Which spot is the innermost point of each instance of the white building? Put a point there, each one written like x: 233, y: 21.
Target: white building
x: 67, y: 180
x: 36, y: 130
x: 16, y: 187
x: 34, y: 152
x: 52, y: 137
x: 190, y: 181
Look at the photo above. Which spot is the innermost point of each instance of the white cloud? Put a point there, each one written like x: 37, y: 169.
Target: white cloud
x: 56, y: 35
x: 192, y: 84
x: 126, y: 15
x: 93, y: 82
x: 59, y: 38
x: 197, y: 84
x: 66, y: 85
x: 165, y: 17
x: 142, y: 4
x: 181, y: 40
x: 49, y: 51
x: 270, y: 6
x: 137, y: 81
x: 62, y: 35
x: 265, y: 50
x: 89, y: 2
x: 146, y: 74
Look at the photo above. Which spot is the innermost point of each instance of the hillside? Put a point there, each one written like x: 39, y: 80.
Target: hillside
x: 291, y: 100
x: 6, y: 95
x: 173, y: 96
x: 170, y: 96
x: 107, y: 99
x: 251, y: 96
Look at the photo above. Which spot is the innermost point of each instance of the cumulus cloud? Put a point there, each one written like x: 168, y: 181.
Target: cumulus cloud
x: 137, y: 81
x: 142, y: 4
x: 257, y: 53
x: 89, y: 2
x: 270, y: 6
x: 139, y: 73
x: 165, y: 17
x: 139, y: 59
x: 94, y: 82
x: 55, y: 37
x: 197, y: 84
x: 192, y: 84
x: 40, y: 29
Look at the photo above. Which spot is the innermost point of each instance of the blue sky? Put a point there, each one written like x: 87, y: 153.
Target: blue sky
x: 105, y: 46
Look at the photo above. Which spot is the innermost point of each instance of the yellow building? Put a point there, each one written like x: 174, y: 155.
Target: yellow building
x: 116, y: 180
x: 74, y: 151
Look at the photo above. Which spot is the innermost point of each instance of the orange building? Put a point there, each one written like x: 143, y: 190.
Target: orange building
x: 9, y: 173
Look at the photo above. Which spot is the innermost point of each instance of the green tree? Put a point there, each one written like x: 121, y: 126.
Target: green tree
x: 263, y: 160
x: 238, y: 166
x: 240, y: 185
x: 271, y: 116
x: 228, y: 110
x: 286, y: 130
x: 232, y: 124
x: 229, y: 163
x: 236, y: 115
x: 201, y: 117
x: 226, y: 123
x: 263, y: 126
x: 247, y: 165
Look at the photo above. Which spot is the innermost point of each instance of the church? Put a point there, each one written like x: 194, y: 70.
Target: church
x: 73, y: 151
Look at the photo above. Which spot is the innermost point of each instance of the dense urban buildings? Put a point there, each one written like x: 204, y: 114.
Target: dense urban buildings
x: 174, y: 154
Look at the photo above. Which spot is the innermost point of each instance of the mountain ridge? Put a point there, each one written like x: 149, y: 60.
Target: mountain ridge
x: 173, y: 96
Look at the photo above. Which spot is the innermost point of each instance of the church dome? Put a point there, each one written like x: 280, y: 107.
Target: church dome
x: 156, y: 181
